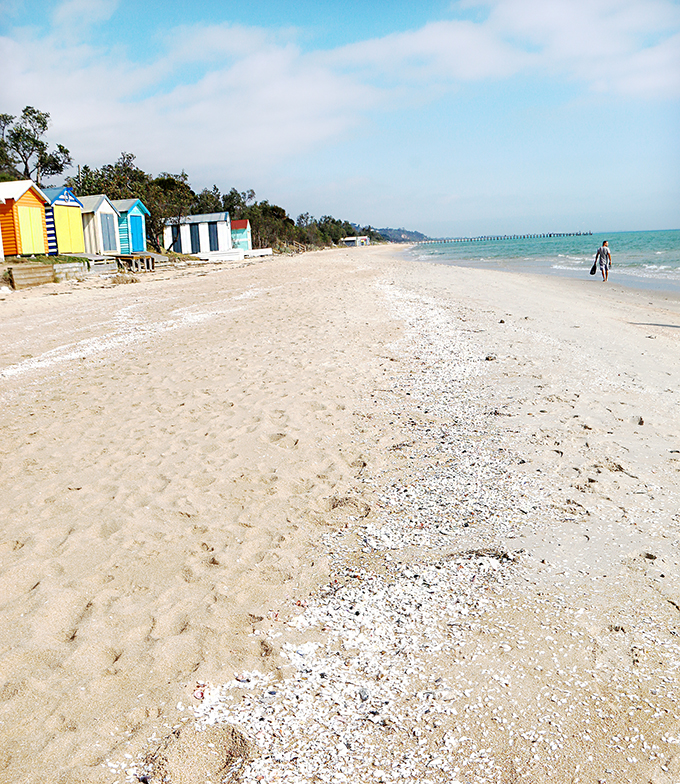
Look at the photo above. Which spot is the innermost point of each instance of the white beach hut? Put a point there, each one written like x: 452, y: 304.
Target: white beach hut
x: 206, y: 236
x: 355, y: 242
x: 100, y: 225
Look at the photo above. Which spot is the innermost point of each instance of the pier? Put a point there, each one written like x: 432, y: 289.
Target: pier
x: 493, y: 237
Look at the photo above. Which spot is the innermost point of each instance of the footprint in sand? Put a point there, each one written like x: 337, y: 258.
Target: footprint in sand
x: 189, y: 755
x: 283, y: 440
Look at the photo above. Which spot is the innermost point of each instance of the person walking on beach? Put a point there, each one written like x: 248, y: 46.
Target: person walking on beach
x: 603, y: 258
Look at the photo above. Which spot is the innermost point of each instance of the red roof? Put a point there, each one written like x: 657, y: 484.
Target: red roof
x: 239, y: 224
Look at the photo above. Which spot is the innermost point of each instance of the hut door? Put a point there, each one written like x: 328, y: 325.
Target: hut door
x: 62, y: 228
x: 31, y: 230
x: 137, y: 233
x: 69, y: 228
x: 176, y: 239
x: 212, y: 235
x: 108, y: 232
x: 75, y: 223
x: 195, y: 239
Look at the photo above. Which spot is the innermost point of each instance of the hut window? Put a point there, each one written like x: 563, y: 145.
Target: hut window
x: 212, y: 234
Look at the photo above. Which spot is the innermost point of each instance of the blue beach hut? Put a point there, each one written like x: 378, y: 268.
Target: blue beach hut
x: 131, y: 225
x: 64, y: 222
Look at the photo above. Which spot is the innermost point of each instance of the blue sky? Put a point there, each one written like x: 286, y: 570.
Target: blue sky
x: 447, y: 117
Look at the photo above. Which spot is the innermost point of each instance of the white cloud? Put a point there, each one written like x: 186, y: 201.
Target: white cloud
x: 439, y: 51
x: 245, y: 97
x: 74, y: 16
x: 205, y: 43
x: 256, y: 100
x: 627, y: 47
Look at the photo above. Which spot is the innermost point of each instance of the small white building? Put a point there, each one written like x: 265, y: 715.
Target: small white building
x: 206, y: 236
x: 353, y: 242
x: 100, y: 225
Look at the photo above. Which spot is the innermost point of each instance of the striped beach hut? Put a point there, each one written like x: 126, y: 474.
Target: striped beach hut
x: 131, y: 224
x: 100, y: 225
x: 64, y: 222
x: 241, y: 234
x: 22, y: 218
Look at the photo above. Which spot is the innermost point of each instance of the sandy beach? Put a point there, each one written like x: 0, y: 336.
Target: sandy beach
x: 340, y: 517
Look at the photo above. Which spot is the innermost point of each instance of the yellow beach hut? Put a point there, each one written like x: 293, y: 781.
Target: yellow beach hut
x: 22, y: 218
x: 63, y: 216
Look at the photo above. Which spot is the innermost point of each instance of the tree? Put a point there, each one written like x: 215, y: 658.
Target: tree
x: 120, y: 180
x: 168, y: 197
x: 236, y: 203
x: 25, y: 151
x: 270, y: 224
x: 7, y: 168
x: 173, y: 195
x: 335, y: 229
x: 208, y: 201
x: 304, y: 220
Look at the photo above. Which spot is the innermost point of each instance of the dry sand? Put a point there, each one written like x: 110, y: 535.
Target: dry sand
x: 186, y: 460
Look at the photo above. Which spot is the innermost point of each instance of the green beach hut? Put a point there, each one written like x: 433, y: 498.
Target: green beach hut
x: 131, y: 225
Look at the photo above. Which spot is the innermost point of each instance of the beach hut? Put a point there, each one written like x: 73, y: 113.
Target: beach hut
x: 131, y: 225
x: 209, y: 233
x: 100, y: 225
x: 22, y: 218
x: 355, y: 242
x: 241, y: 235
x: 64, y: 221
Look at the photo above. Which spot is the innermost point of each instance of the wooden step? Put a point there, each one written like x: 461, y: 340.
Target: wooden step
x: 31, y: 275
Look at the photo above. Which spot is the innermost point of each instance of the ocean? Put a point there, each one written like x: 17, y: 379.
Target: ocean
x: 641, y: 259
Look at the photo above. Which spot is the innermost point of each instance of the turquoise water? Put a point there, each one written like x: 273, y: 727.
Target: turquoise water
x: 642, y: 259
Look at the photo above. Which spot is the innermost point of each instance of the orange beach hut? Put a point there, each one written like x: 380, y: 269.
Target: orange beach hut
x: 22, y: 218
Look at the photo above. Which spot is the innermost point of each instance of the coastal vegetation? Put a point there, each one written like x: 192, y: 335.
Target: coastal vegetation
x: 23, y: 151
x: 170, y: 197
x: 24, y: 154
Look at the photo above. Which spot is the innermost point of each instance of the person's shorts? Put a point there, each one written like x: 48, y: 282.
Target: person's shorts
x: 604, y: 264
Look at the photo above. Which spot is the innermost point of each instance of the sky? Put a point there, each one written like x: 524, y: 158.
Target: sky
x: 451, y: 118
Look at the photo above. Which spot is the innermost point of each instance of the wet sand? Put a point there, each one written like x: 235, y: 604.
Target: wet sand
x: 187, y: 462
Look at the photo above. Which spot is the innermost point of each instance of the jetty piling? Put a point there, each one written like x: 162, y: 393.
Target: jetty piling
x: 494, y: 237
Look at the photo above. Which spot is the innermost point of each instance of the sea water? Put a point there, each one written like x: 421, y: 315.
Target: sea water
x: 643, y: 259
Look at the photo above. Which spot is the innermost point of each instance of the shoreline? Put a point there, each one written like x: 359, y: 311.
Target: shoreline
x: 381, y: 412
x: 623, y: 272
x: 627, y: 281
